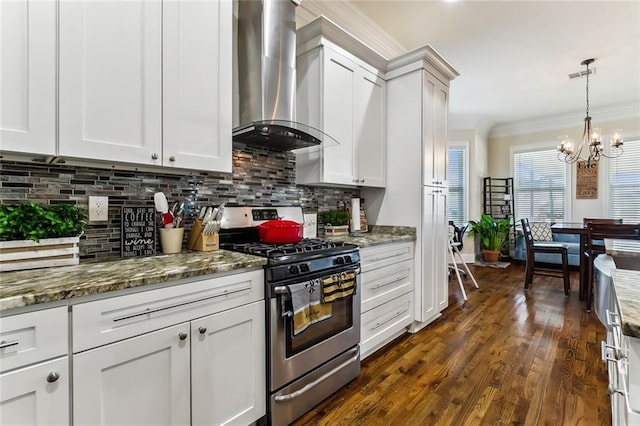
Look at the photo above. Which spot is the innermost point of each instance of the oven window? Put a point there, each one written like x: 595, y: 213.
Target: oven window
x: 341, y: 319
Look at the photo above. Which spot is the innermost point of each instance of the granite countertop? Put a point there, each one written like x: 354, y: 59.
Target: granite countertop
x: 34, y: 286
x: 378, y: 235
x: 627, y: 292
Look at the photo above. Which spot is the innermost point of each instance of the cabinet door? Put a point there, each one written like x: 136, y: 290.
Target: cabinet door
x: 139, y: 381
x: 339, y: 117
x: 33, y: 396
x: 228, y: 366
x: 434, y: 253
x: 28, y: 76
x: 197, y: 84
x: 370, y: 132
x: 110, y: 80
x: 435, y: 144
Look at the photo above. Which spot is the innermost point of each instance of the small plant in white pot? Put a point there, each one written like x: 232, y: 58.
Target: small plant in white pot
x: 35, y: 236
x: 336, y: 222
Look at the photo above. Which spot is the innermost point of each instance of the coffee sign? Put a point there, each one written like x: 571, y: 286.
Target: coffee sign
x: 586, y: 180
x: 138, y: 231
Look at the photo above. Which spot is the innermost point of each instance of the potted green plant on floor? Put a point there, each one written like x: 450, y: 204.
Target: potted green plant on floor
x: 36, y: 236
x: 493, y: 235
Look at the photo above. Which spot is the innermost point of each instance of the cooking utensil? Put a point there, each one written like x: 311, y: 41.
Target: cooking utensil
x: 161, y: 203
x: 280, y: 232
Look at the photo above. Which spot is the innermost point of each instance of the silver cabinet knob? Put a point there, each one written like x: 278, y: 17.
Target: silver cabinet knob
x: 182, y: 336
x: 202, y: 330
x: 53, y: 376
x: 172, y: 158
x: 154, y: 156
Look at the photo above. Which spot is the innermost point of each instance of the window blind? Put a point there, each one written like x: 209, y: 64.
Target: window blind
x: 624, y: 184
x: 539, y: 186
x: 456, y: 179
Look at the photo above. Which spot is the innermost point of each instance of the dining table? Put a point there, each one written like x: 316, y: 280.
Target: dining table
x: 583, y: 231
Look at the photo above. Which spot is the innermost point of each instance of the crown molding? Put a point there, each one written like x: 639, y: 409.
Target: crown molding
x: 344, y: 14
x: 324, y: 28
x: 559, y: 121
x: 425, y: 57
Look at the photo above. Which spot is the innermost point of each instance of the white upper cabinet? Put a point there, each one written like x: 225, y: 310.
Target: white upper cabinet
x: 435, y: 143
x: 146, y: 82
x: 28, y: 76
x: 197, y: 84
x: 343, y: 95
x: 111, y: 80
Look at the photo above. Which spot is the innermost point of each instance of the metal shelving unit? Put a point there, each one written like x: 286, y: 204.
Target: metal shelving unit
x: 498, y: 203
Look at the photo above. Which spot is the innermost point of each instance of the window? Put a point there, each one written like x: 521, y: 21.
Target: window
x: 540, y: 183
x: 624, y: 184
x: 456, y: 174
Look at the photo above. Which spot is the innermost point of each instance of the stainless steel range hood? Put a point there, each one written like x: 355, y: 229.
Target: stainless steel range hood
x: 267, y: 77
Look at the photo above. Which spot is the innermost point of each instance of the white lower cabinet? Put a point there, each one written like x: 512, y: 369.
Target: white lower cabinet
x: 34, y: 367
x: 387, y: 294
x: 228, y: 367
x: 36, y: 395
x: 185, y: 354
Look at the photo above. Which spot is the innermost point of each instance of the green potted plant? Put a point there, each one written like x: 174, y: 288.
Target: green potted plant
x: 493, y: 235
x: 35, y: 236
x: 336, y: 222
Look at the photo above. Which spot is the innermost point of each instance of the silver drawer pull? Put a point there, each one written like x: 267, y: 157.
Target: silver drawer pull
x: 399, y: 253
x: 380, y: 324
x: 177, y: 305
x: 388, y: 283
x: 610, y: 352
x: 613, y: 319
x: 53, y: 377
x: 8, y: 344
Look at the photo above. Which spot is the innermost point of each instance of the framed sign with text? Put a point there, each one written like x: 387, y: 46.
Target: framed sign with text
x: 586, y: 180
x: 138, y: 231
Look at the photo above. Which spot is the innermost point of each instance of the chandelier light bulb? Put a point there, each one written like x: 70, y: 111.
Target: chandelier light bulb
x: 616, y: 139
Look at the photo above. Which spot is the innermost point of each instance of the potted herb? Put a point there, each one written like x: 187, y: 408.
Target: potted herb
x: 34, y: 236
x: 336, y: 222
x: 493, y: 235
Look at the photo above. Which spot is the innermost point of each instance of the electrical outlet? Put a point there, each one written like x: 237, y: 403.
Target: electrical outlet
x: 98, y: 209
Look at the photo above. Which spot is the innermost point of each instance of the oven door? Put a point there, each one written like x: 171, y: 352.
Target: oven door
x: 293, y: 356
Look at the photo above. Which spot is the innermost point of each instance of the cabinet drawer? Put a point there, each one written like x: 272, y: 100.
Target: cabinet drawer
x: 104, y: 321
x: 33, y: 337
x: 384, y: 323
x: 388, y: 254
x: 384, y: 284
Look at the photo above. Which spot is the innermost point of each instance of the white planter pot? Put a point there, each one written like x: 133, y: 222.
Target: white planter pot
x: 27, y: 254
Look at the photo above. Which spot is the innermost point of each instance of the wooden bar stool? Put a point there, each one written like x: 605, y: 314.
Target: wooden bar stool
x: 534, y: 247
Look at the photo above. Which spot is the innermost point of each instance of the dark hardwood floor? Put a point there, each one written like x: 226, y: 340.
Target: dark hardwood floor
x: 506, y: 356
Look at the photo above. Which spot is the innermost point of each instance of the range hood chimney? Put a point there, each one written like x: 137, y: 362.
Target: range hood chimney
x: 267, y: 77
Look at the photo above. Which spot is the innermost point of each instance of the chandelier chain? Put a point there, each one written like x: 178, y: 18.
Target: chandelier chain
x: 588, y: 89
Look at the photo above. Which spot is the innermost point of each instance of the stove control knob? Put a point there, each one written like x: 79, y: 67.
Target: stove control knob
x: 339, y: 261
x: 304, y: 267
x: 294, y: 269
x: 347, y: 259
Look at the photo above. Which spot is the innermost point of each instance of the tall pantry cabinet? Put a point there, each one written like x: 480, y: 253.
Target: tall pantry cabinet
x: 416, y: 185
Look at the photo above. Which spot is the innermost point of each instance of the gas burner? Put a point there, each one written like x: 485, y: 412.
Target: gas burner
x: 306, y: 246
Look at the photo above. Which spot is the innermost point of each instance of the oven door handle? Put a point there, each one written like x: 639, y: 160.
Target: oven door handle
x: 320, y: 379
x: 283, y: 289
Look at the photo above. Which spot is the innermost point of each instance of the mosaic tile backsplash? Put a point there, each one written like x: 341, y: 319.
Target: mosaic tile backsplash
x: 259, y: 177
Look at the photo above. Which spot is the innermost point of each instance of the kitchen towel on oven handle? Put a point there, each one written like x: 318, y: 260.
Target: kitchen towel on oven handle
x: 338, y: 286
x: 307, y: 307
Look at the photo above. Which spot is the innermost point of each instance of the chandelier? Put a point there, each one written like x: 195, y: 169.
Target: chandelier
x: 590, y: 148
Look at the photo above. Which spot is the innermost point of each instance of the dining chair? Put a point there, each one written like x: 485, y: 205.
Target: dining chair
x: 596, y: 234
x: 455, y: 245
x: 548, y: 247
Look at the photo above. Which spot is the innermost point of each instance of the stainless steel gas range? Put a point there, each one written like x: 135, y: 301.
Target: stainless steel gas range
x: 303, y: 368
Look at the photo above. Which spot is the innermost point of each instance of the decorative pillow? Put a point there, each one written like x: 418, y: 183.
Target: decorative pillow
x: 541, y: 231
